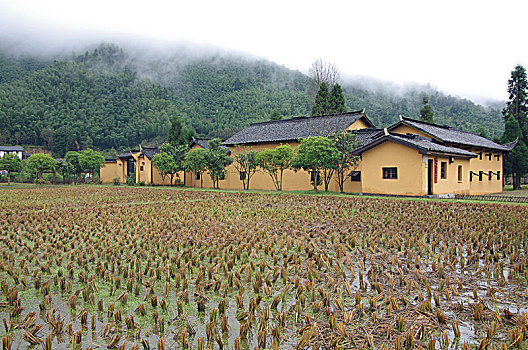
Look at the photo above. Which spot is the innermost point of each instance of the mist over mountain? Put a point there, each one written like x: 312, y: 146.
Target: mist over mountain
x: 110, y: 96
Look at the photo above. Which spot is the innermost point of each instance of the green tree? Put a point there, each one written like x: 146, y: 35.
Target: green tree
x: 195, y: 162
x: 92, y: 161
x: 164, y: 162
x: 246, y: 164
x: 177, y: 153
x: 65, y: 169
x: 41, y: 162
x: 217, y: 160
x: 337, y: 100
x: 10, y: 163
x: 62, y: 141
x: 275, y: 115
x: 346, y: 161
x: 74, y: 159
x: 516, y: 126
x: 275, y: 161
x: 317, y: 153
x: 178, y: 134
x: 426, y: 113
x: 321, y: 105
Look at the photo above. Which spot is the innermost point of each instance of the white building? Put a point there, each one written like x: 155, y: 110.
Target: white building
x: 18, y: 150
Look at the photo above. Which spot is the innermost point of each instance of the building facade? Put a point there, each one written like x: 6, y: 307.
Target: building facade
x: 411, y: 158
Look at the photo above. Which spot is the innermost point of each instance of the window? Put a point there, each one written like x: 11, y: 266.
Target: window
x: 489, y: 155
x: 141, y: 168
x: 480, y: 175
x: 460, y: 173
x: 242, y: 175
x: 355, y: 176
x: 490, y: 175
x: 390, y: 173
x: 443, y: 170
x: 197, y: 176
x: 480, y: 155
x: 498, y: 175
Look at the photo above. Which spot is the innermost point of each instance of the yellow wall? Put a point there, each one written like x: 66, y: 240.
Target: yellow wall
x: 411, y: 170
x: 358, y: 124
x: 484, y: 164
x: 450, y: 184
x: 475, y: 165
x: 292, y: 181
x: 109, y: 172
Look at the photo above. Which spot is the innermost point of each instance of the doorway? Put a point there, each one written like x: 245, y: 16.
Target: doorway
x: 430, y: 165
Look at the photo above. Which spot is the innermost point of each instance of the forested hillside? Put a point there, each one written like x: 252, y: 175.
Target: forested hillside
x: 114, y: 98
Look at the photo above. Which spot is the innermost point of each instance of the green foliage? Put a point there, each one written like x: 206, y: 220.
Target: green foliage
x: 275, y: 115
x: 11, y: 163
x: 337, y: 100
x: 516, y: 125
x: 113, y: 110
x: 66, y: 169
x: 317, y: 153
x: 275, y: 161
x: 217, y: 160
x: 322, y: 100
x: 246, y: 164
x: 426, y: 113
x: 40, y: 162
x: 106, y: 102
x: 346, y: 161
x: 90, y: 160
x: 165, y: 163
x: 195, y: 162
x: 131, y: 180
x: 74, y: 159
x: 63, y: 140
x: 178, y: 134
x: 170, y: 159
x: 329, y: 102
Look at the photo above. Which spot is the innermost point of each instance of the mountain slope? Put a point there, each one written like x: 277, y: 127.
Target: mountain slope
x: 114, y: 98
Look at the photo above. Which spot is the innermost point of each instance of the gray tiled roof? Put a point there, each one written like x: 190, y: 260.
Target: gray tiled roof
x: 295, y: 128
x: 11, y: 148
x: 150, y: 152
x: 422, y: 144
x: 204, y: 143
x: 125, y: 155
x: 365, y: 136
x: 449, y: 135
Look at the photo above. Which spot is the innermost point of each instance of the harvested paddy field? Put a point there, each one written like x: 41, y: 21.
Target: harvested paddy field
x: 147, y: 268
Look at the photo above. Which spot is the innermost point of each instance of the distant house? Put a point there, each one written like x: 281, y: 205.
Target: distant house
x: 17, y: 150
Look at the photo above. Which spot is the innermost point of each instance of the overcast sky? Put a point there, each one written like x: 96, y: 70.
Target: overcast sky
x: 466, y: 48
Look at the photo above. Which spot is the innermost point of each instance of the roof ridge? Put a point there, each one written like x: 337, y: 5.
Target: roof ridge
x: 307, y: 117
x: 429, y: 123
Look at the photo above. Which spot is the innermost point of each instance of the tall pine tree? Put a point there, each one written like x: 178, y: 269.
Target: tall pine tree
x: 329, y: 102
x: 516, y: 126
x: 337, y: 100
x: 321, y: 106
x: 426, y: 113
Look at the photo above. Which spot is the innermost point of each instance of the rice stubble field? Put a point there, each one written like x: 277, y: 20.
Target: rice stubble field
x: 129, y: 268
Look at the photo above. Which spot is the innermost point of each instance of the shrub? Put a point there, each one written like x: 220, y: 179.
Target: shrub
x: 117, y: 181
x: 131, y: 180
x: 141, y: 183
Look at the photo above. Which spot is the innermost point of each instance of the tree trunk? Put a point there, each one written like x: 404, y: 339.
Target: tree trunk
x: 316, y: 179
x: 8, y: 177
x: 517, y: 181
x: 280, y: 185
